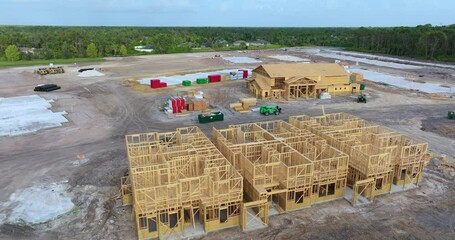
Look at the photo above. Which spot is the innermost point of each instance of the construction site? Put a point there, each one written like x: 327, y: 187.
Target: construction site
x: 229, y: 145
x: 180, y: 180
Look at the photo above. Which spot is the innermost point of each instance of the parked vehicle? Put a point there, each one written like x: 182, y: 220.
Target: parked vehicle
x: 451, y: 115
x: 270, y: 109
x: 362, y: 98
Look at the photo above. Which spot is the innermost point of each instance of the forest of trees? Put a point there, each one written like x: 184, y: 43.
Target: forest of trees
x: 423, y: 41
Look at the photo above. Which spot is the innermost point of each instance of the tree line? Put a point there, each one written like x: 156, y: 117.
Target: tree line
x: 45, y: 42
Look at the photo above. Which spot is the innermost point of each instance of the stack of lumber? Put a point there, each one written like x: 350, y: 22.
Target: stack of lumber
x: 244, y: 105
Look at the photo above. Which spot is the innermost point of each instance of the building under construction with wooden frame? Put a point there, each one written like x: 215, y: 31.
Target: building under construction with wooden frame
x: 284, y: 168
x: 300, y: 80
x: 378, y: 156
x: 181, y: 180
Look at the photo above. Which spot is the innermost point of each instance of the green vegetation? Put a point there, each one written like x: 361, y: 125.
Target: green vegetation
x: 123, y: 51
x: 46, y: 62
x: 41, y: 42
x: 12, y: 53
x: 92, y: 52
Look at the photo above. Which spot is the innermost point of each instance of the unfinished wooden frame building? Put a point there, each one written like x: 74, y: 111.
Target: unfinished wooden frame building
x: 180, y: 179
x: 284, y: 168
x: 378, y: 156
x: 300, y: 80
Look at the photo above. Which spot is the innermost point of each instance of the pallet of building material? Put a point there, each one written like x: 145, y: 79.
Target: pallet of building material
x: 248, y: 100
x: 225, y: 77
x: 244, y: 111
x: 198, y: 105
x: 182, y: 115
x: 239, y: 108
x: 234, y: 105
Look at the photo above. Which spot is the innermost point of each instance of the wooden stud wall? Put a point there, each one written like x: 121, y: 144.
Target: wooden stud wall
x: 375, y: 152
x: 173, y: 173
x: 176, y: 176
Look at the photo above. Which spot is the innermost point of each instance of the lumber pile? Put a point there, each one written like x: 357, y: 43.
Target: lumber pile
x: 244, y: 105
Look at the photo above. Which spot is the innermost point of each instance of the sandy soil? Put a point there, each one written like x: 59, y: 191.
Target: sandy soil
x: 101, y: 110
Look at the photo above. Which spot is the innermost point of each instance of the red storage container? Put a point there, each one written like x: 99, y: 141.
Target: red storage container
x: 174, y: 105
x: 245, y: 73
x: 163, y: 84
x: 214, y: 78
x: 179, y: 105
x: 154, y: 83
x: 182, y: 104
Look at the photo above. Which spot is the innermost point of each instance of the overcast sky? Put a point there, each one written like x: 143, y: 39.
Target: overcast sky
x: 248, y: 13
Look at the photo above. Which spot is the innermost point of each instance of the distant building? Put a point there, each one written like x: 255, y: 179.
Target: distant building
x: 300, y: 80
x: 26, y: 50
x: 144, y: 48
x: 240, y: 43
x: 259, y: 42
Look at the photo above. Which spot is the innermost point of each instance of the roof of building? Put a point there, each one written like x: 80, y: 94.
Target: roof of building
x: 262, y: 83
x: 303, y: 69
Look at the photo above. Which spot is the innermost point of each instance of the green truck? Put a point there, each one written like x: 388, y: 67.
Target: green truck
x: 270, y: 109
x: 210, y: 117
x: 362, y: 98
x: 451, y: 115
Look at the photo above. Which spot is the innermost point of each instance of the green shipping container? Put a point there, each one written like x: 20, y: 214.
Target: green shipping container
x: 210, y: 117
x: 202, y: 80
x: 362, y: 87
x: 186, y: 83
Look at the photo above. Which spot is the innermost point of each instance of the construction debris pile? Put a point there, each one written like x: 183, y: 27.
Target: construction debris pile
x: 179, y: 180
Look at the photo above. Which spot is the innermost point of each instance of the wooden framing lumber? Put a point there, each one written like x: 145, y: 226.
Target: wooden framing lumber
x: 178, y: 178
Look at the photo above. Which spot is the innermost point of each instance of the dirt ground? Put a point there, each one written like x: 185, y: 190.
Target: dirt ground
x: 101, y: 110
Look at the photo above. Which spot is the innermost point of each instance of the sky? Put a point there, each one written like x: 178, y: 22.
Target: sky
x: 228, y: 13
